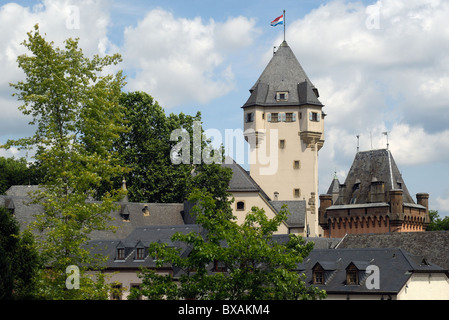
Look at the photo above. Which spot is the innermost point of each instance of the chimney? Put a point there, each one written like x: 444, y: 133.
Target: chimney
x: 125, y: 191
x: 396, y: 204
x: 423, y: 199
x: 376, y: 191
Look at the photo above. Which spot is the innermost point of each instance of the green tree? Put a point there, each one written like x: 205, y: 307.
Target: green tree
x: 258, y: 266
x: 19, y: 260
x: 76, y: 111
x: 16, y: 172
x: 147, y: 148
x: 437, y: 223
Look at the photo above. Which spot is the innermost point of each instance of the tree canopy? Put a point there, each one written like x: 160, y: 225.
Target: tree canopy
x: 256, y: 265
x: 436, y: 222
x: 147, y: 147
x: 75, y: 109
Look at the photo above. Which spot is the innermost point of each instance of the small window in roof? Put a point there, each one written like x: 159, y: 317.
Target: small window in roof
x: 352, y: 275
x: 120, y: 253
x: 282, y: 96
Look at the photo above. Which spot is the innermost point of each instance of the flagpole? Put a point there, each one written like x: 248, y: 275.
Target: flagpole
x: 284, y: 25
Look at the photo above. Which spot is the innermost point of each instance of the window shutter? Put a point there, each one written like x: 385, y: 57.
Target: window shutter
x: 269, y: 117
x: 294, y: 116
x: 311, y: 116
x: 282, y: 116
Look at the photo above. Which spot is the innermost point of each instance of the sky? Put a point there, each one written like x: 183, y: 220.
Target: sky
x: 380, y: 66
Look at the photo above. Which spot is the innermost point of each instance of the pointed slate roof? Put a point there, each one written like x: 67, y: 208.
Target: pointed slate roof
x: 283, y: 74
x: 369, y: 166
x: 334, y: 187
x: 241, y: 181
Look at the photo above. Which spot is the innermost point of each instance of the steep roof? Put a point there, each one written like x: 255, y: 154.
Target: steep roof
x: 283, y: 74
x: 396, y: 267
x: 297, y: 209
x: 370, y: 166
x: 334, y: 187
x: 127, y: 217
x: 432, y: 245
x: 241, y: 181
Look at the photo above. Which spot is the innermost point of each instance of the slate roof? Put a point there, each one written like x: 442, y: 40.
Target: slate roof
x: 319, y: 242
x: 241, y: 180
x: 334, y: 187
x: 395, y: 268
x: 160, y: 213
x: 297, y: 209
x: 432, y: 245
x: 141, y: 237
x: 283, y: 73
x: 370, y: 166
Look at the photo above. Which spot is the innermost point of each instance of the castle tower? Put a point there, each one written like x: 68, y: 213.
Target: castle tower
x: 373, y: 199
x: 284, y: 125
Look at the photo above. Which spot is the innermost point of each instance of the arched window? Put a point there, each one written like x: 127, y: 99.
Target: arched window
x: 240, y: 205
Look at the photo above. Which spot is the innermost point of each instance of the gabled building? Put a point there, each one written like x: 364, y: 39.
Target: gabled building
x: 373, y: 199
x: 381, y: 274
x: 247, y: 194
x: 284, y: 125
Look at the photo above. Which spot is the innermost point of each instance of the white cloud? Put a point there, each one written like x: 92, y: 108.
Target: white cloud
x: 372, y: 80
x: 179, y: 60
x: 58, y: 20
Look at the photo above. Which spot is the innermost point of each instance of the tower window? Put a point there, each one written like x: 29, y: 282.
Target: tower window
x: 240, y: 206
x: 281, y: 144
x: 282, y: 96
x: 314, y: 116
x: 249, y: 117
x: 296, y: 164
x: 296, y: 193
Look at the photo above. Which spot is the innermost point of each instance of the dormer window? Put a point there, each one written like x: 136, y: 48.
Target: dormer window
x: 120, y: 254
x: 352, y: 275
x: 282, y: 96
x: 140, y: 253
x: 318, y: 275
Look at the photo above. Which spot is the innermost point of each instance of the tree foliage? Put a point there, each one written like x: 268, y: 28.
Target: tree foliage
x: 257, y: 265
x: 16, y: 172
x: 437, y: 223
x: 76, y: 112
x: 19, y: 260
x: 147, y: 147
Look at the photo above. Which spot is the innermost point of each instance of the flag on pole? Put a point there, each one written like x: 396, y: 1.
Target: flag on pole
x: 278, y: 20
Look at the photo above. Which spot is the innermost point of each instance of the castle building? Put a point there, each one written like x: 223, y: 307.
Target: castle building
x: 284, y: 125
x: 373, y: 199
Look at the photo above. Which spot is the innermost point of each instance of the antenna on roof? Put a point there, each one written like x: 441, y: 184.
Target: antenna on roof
x: 386, y: 133
x: 358, y: 141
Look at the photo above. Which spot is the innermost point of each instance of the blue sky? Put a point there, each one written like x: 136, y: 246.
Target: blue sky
x: 379, y: 66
